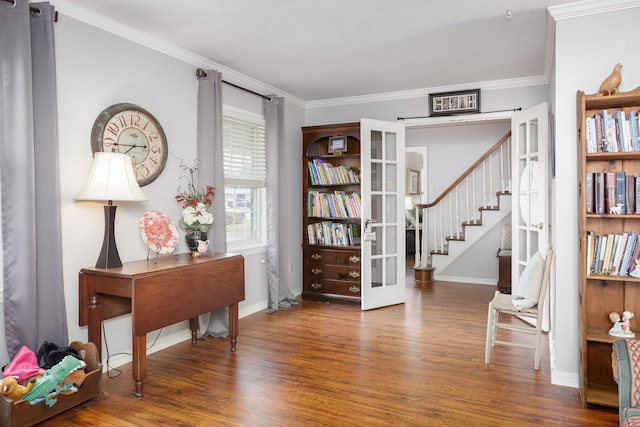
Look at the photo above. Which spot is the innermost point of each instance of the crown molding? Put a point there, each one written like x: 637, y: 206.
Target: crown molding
x: 590, y: 7
x: 421, y: 93
x: 169, y: 49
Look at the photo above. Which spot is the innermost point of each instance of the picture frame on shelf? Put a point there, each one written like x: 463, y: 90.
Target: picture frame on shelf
x: 337, y: 144
x: 413, y: 182
x: 458, y: 102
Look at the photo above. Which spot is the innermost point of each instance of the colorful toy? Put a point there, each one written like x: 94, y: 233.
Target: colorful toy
x: 10, y: 387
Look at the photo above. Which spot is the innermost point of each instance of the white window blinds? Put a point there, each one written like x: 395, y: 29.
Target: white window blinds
x: 244, y: 152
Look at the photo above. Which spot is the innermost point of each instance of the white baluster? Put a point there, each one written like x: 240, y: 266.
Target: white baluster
x: 491, y: 190
x: 425, y: 239
x: 458, y: 226
x: 417, y: 240
x: 466, y: 182
x: 484, y: 185
x: 509, y: 164
x: 435, y: 229
x: 475, y: 205
x: 441, y: 228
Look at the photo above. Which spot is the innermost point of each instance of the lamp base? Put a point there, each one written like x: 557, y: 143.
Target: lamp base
x: 109, y: 257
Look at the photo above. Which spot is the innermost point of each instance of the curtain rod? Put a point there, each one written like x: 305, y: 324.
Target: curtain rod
x: 36, y: 10
x: 201, y: 73
x: 484, y: 112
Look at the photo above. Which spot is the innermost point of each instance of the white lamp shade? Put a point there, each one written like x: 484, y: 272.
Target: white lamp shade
x: 111, y: 178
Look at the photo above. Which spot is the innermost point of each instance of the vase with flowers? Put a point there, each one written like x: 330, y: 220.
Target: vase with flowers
x: 196, y: 220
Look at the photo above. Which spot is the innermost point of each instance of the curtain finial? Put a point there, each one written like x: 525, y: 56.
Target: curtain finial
x: 200, y: 73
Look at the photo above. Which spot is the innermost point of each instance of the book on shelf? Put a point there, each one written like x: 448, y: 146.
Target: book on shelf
x: 606, y: 255
x: 590, y: 249
x: 338, y: 204
x: 599, y: 193
x: 637, y: 188
x: 354, y: 232
x: 633, y: 129
x: 610, y: 198
x: 597, y: 255
x: 620, y: 242
x: 634, y: 263
x: 589, y: 192
x: 612, y: 132
x: 630, y: 202
x: 612, y: 254
x: 628, y: 252
x: 322, y: 172
x: 591, y: 137
x: 328, y: 233
x: 621, y: 191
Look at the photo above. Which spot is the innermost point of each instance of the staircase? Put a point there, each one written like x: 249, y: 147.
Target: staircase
x: 472, y: 206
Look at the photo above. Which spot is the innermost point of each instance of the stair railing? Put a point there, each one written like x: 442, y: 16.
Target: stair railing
x: 489, y: 176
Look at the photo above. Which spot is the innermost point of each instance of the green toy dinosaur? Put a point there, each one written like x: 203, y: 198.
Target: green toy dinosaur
x: 51, y: 380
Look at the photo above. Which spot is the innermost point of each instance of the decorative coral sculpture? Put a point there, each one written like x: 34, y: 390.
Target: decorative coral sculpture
x: 610, y: 85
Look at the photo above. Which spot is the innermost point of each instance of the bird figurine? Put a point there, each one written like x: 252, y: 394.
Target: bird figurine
x: 610, y: 85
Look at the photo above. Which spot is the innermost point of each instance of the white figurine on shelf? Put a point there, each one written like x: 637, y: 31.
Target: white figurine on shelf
x: 621, y: 327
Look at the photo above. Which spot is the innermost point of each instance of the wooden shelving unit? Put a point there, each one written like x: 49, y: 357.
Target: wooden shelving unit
x: 600, y: 295
x: 331, y: 272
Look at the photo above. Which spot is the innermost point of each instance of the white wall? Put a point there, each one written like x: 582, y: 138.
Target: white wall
x: 587, y: 48
x: 96, y: 69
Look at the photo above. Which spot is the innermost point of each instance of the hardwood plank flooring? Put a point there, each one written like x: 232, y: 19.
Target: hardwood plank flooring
x: 319, y: 364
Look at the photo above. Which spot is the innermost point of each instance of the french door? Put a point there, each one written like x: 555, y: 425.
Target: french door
x: 383, y: 191
x: 530, y: 189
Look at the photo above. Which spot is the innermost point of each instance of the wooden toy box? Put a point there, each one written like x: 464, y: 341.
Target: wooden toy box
x: 22, y: 413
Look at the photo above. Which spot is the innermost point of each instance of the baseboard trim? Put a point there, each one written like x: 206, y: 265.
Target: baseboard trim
x: 461, y: 279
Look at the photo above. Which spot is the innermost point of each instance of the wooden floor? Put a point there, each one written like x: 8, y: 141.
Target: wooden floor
x: 319, y: 364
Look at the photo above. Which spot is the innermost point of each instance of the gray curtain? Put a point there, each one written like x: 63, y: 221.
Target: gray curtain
x: 211, y: 171
x: 34, y: 305
x: 280, y: 295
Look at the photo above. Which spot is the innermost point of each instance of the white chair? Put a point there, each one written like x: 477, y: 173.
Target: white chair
x: 526, y: 301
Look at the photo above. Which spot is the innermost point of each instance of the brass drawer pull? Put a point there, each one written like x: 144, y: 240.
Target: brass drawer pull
x: 316, y: 271
x: 316, y: 285
x: 316, y: 256
x: 354, y: 289
x: 354, y: 259
x: 354, y: 274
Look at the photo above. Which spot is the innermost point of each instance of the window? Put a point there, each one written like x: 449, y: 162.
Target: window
x: 244, y: 178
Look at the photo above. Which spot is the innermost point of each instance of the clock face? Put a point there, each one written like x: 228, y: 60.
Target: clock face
x: 130, y: 129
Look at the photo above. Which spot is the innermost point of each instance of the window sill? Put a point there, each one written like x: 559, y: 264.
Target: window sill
x: 245, y: 250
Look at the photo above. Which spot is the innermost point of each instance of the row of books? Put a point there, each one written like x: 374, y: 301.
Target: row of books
x: 613, y: 254
x: 616, y: 132
x: 333, y: 205
x: 322, y: 172
x: 612, y: 190
x: 329, y: 233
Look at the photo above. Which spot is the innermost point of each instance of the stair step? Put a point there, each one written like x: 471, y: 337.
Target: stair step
x: 471, y: 224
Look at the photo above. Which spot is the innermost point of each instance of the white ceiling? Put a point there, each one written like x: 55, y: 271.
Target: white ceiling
x: 327, y: 49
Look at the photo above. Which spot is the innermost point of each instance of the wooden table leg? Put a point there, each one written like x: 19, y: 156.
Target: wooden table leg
x: 139, y: 362
x: 194, y: 324
x: 233, y: 325
x: 94, y: 319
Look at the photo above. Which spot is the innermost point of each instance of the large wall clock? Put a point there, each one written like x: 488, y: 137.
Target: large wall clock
x: 132, y: 130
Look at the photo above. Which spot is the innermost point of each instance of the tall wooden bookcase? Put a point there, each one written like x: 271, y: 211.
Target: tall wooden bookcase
x: 602, y: 293
x: 330, y: 222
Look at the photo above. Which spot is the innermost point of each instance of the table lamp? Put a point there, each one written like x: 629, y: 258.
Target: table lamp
x: 111, y: 178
